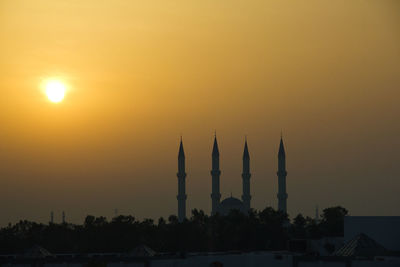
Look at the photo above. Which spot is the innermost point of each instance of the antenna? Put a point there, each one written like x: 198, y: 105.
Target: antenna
x: 51, y: 217
x: 63, y: 217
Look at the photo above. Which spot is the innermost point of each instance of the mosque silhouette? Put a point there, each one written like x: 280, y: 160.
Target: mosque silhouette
x: 231, y: 203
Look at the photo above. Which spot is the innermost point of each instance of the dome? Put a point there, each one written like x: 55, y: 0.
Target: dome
x: 229, y: 204
x: 231, y: 201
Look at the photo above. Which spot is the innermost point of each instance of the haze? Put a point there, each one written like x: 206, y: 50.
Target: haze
x: 141, y: 73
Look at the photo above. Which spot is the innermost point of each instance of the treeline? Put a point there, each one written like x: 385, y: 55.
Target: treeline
x: 259, y: 230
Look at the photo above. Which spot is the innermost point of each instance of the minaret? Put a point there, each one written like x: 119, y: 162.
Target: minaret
x: 215, y: 173
x: 246, y: 197
x: 282, y: 195
x: 317, y: 214
x: 181, y: 184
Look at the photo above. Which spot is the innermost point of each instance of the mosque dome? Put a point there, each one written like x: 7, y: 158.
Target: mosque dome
x: 229, y: 204
x: 231, y: 201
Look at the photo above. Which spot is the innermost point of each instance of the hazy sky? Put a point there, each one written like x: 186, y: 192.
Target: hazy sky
x: 141, y: 73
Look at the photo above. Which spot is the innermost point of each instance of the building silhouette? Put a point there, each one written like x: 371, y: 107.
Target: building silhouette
x: 231, y: 203
x: 282, y: 195
x: 181, y: 184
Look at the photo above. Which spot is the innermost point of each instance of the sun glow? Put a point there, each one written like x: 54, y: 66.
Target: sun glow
x: 55, y: 90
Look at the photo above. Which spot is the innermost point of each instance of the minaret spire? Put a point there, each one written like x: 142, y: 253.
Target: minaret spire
x: 282, y: 195
x: 246, y: 154
x: 246, y: 197
x: 181, y: 183
x: 215, y: 151
x: 215, y: 174
x: 316, y: 214
x: 181, y: 153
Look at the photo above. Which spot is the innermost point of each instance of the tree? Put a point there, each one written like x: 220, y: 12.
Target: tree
x: 299, y: 226
x: 312, y: 228
x: 89, y: 221
x: 257, y: 230
x: 333, y: 220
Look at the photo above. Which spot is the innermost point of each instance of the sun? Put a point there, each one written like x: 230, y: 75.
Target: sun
x: 55, y: 90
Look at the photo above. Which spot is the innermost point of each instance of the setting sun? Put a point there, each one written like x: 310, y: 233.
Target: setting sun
x: 55, y: 91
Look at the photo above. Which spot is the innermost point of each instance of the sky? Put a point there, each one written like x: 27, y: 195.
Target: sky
x: 140, y: 74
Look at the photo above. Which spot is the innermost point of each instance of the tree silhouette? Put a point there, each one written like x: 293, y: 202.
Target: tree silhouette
x: 258, y: 230
x: 332, y: 221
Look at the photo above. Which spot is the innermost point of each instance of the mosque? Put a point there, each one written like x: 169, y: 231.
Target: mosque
x: 225, y: 206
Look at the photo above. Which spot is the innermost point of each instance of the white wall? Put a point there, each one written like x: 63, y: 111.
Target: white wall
x: 320, y: 263
x: 375, y: 263
x: 63, y: 265
x: 232, y: 260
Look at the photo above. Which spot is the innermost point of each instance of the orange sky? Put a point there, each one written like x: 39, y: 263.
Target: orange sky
x: 140, y: 73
